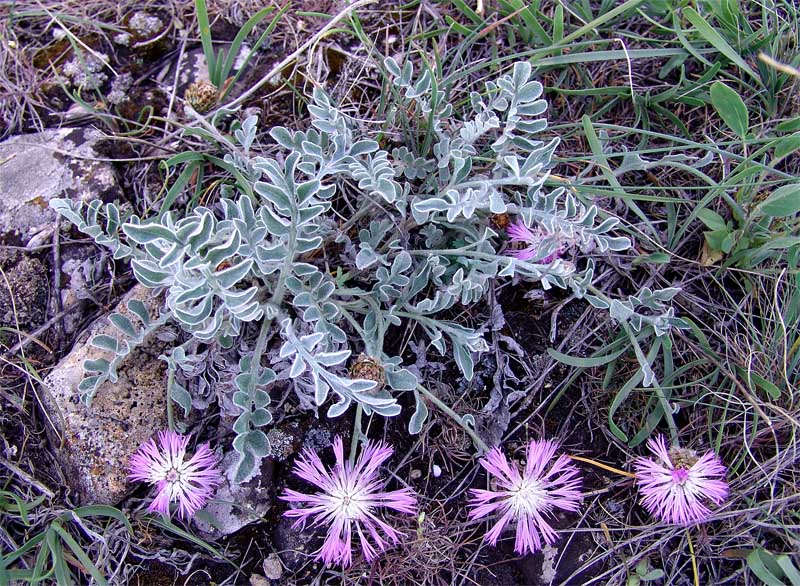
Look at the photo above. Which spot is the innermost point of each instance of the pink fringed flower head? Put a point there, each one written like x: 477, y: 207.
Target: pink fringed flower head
x: 188, y: 481
x: 527, y: 497
x: 676, y: 486
x: 520, y: 234
x: 348, y: 501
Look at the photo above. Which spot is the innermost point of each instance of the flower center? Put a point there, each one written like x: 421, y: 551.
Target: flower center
x: 350, y: 504
x: 528, y: 496
x: 680, y: 476
x: 173, y: 476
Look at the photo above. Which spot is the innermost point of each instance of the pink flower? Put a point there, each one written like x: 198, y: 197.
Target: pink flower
x: 528, y: 498
x: 189, y: 482
x: 674, y: 489
x: 349, y: 498
x: 518, y: 232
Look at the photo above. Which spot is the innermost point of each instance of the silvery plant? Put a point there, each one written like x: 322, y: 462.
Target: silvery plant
x: 309, y: 258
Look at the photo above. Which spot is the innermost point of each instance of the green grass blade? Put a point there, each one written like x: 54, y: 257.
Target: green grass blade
x: 236, y: 44
x: 84, y: 559
x: 531, y: 25
x: 624, y: 392
x: 602, y: 161
x: 261, y: 40
x: 759, y: 568
x: 585, y: 362
x: 167, y: 525
x: 24, y: 548
x: 468, y: 12
x: 41, y: 558
x: 205, y: 38
x: 104, y: 511
x: 177, y: 188
x: 558, y: 24
x: 600, y: 20
x: 716, y: 40
x: 62, y: 573
x: 789, y: 569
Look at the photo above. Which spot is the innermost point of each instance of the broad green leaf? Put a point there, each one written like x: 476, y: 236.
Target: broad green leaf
x: 789, y: 125
x: 756, y: 563
x: 786, y: 145
x: 784, y: 201
x: 717, y: 238
x: 181, y: 396
x: 711, y: 219
x: 730, y: 106
x: 654, y: 574
x: 420, y: 415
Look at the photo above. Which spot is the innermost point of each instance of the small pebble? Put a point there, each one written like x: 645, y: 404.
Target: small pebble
x: 437, y: 471
x: 273, y: 569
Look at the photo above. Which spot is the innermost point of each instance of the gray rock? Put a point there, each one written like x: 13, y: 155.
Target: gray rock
x: 190, y: 69
x: 272, y: 566
x: 35, y: 168
x: 97, y: 441
x: 237, y: 505
x: 145, y: 25
x: 83, y: 268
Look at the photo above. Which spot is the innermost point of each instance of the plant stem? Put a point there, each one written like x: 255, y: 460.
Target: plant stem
x: 255, y: 363
x: 170, y: 415
x: 662, y: 398
x: 455, y: 417
x: 356, y: 326
x: 465, y: 251
x: 356, y: 434
x: 694, y: 559
x: 514, y: 181
x: 286, y: 268
x: 643, y: 364
x: 603, y: 466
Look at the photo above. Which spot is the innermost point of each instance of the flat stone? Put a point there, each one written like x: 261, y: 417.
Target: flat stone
x: 236, y: 505
x: 273, y: 569
x: 82, y: 269
x: 35, y: 168
x: 96, y: 442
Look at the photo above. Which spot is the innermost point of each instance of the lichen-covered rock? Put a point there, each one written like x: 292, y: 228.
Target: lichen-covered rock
x: 82, y: 270
x: 237, y: 505
x: 35, y: 168
x: 23, y: 290
x: 191, y: 69
x: 273, y: 569
x: 145, y: 25
x: 97, y: 441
